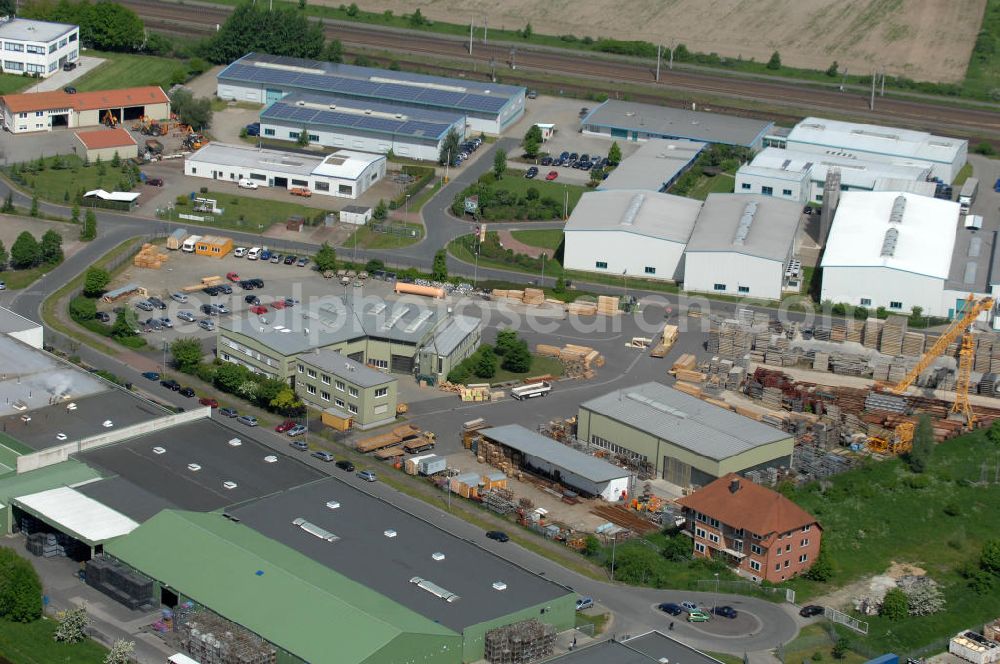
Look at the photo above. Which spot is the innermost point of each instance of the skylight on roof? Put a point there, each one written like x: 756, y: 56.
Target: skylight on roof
x: 435, y: 589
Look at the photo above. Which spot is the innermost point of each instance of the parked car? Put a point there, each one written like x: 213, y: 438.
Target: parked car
x: 206, y: 325
x: 253, y: 129
x: 323, y: 456
x: 265, y: 255
x: 284, y: 426
x: 154, y: 182
x: 210, y: 309
x: 248, y: 420
x: 367, y: 475
x: 153, y: 324
x: 344, y: 464
x: 228, y: 412
x: 211, y: 403
x: 671, y: 608
x: 258, y: 309
x: 300, y: 445
x: 532, y: 172
x: 300, y: 191
x: 70, y: 90
x: 302, y: 262
x: 247, y: 284
x: 546, y: 161
x: 498, y: 535
x: 233, y: 277
x: 251, y: 299
x: 170, y: 384
x: 156, y: 302
x: 725, y: 611
x: 257, y: 283
x: 166, y: 322
x: 221, y: 308
x: 297, y: 430
x: 996, y: 186
x: 186, y: 392
x: 290, y: 259
x: 698, y: 616
x: 584, y: 603
x: 69, y: 66
x: 239, y: 252
x: 150, y: 375
x: 186, y: 316
x: 102, y: 316
x: 278, y: 304
x: 144, y: 305
x: 532, y: 94
x: 179, y: 297
x: 552, y: 175
x: 276, y: 258
x: 689, y: 606
x: 811, y: 610
x: 247, y: 184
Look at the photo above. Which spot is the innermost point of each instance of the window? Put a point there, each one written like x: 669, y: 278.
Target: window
x: 35, y: 69
x: 865, y: 302
x: 73, y: 37
x: 777, y: 567
x: 63, y: 42
x: 779, y: 551
x: 340, y: 385
x: 767, y: 191
x: 786, y: 192
x: 745, y: 185
x: 314, y: 138
x: 321, y: 186
x: 788, y: 547
x: 381, y: 392
x: 754, y: 565
x: 300, y: 183
x: 14, y: 66
x: 699, y: 547
x: 806, y: 528
x: 804, y: 543
x: 895, y: 305
x: 787, y: 563
x: 699, y: 532
x: 719, y: 287
x: 39, y: 114
x: 601, y: 265
x: 352, y: 409
x: 53, y: 47
x: 803, y: 558
x: 339, y: 402
x: 712, y: 537
x: 301, y: 368
x: 756, y: 549
x: 743, y: 289
x: 325, y: 396
x: 819, y: 197
x: 379, y: 364
x: 311, y: 373
x: 353, y: 391
x: 325, y: 379
x: 293, y: 135
x: 11, y: 46
x: 345, y: 189
x: 650, y: 270
x: 268, y: 131
x: 311, y: 389
x: 37, y: 50
x: 52, y: 66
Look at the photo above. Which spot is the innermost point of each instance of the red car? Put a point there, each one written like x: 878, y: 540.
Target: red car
x: 205, y: 401
x: 278, y: 304
x: 284, y: 426
x: 258, y: 309
x: 233, y: 277
x: 552, y: 175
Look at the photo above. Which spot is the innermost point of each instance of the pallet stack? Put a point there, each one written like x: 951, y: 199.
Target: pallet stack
x: 520, y: 643
x: 873, y: 328
x: 913, y: 344
x: 891, y: 339
x: 855, y: 331
x: 608, y: 305
x: 150, y: 257
x: 581, y: 308
x: 687, y: 362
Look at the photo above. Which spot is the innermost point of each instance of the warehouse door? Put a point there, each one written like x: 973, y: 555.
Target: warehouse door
x: 402, y: 364
x: 271, y: 95
x: 676, y: 472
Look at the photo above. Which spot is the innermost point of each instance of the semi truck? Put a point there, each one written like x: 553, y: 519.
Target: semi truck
x: 967, y: 196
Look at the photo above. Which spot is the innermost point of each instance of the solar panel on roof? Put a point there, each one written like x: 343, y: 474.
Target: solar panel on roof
x: 483, y: 103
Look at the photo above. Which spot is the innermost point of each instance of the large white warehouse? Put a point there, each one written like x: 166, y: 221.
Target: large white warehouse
x: 892, y: 250
x: 630, y: 232
x: 944, y: 156
x: 336, y: 122
x: 799, y: 176
x: 742, y: 245
x: 343, y: 174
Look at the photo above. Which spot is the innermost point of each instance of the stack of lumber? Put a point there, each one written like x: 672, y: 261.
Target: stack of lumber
x: 581, y: 308
x: 607, y: 305
x: 982, y: 356
x: 685, y: 362
x: 477, y: 392
x: 149, y: 257
x: 913, y: 344
x: 891, y: 339
x: 873, y: 328
x: 580, y: 361
x: 821, y: 361
x: 533, y: 296
x: 688, y: 388
x: 690, y: 376
x: 855, y: 331
x: 547, y: 351
x: 664, y: 341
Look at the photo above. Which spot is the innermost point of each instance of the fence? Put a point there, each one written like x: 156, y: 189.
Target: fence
x: 833, y: 615
x: 742, y: 587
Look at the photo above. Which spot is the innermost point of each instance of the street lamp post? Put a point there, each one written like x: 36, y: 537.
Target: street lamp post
x: 715, y: 600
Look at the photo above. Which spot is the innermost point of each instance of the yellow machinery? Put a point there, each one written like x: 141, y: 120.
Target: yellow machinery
x: 901, y: 442
x: 959, y: 327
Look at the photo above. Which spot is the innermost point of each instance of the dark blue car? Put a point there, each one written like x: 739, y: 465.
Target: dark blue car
x: 253, y: 129
x: 671, y: 608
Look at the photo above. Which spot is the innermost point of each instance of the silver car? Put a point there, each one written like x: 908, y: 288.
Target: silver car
x: 179, y: 297
x: 186, y: 316
x: 206, y: 324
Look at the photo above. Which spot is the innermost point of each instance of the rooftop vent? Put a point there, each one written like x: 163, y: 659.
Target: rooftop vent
x: 898, y: 208
x: 193, y: 467
x: 435, y: 589
x: 377, y: 308
x: 889, y: 243
x: 315, y: 530
x: 499, y: 585
x: 235, y: 442
x: 229, y: 484
x: 438, y: 556
x: 107, y: 424
x: 970, y: 272
x: 420, y: 320
x: 396, y: 316
x: 632, y: 211
x: 746, y: 221
x: 734, y: 486
x: 70, y: 406
x: 652, y: 403
x: 60, y: 436
x: 333, y: 107
x: 390, y: 533
x: 333, y: 504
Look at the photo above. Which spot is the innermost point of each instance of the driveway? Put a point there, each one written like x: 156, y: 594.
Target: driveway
x: 60, y: 79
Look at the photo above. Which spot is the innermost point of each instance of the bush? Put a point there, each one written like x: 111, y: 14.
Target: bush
x: 134, y: 343
x: 985, y: 148
x: 895, y: 606
x: 20, y: 588
x: 82, y: 308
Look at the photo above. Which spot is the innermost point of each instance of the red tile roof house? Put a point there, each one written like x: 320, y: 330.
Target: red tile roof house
x: 755, y: 530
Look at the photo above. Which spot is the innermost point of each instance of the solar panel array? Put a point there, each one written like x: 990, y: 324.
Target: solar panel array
x: 352, y: 87
x: 304, y: 115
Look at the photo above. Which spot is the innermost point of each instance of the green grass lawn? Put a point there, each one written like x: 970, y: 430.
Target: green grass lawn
x: 814, y: 639
x: 515, y: 181
x: 540, y: 366
x: 250, y: 214
x: 882, y: 513
x: 18, y: 279
x: 61, y: 185
x: 963, y: 175
x: 982, y: 77
x: 546, y: 238
x: 125, y: 70
x: 599, y: 621
x: 32, y: 643
x: 10, y: 83
x: 366, y: 238
x: 722, y: 183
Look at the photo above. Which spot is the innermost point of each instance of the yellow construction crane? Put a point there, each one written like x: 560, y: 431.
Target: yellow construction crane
x: 959, y: 327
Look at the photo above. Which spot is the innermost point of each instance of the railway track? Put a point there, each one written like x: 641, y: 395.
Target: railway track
x: 972, y: 123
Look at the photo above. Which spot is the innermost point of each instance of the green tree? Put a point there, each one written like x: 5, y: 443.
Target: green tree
x: 25, y: 252
x: 381, y: 211
x: 831, y: 71
x: 95, y: 281
x: 527, y: 32
x: 302, y: 138
x: 499, y: 163
x: 486, y: 363
x: 506, y: 340
x: 285, y: 402
x: 187, y: 354
x: 116, y: 161
x: 8, y: 203
x: 596, y: 176
x: 124, y: 325
x: 326, y: 258
x: 374, y: 265
x: 229, y: 377
x: 352, y: 10
x: 72, y: 625
x: 775, y: 61
x: 82, y: 308
x: 560, y: 285
x: 192, y: 111
x: 591, y: 546
x: 895, y: 606
x: 255, y: 27
x: 4, y: 257
x: 677, y: 548
x: 34, y: 206
x: 518, y: 358
x: 919, y: 456
x: 417, y: 19
x: 989, y: 559
x: 112, y: 27
x: 121, y: 652
x: 532, y: 141
x: 449, y: 147
x: 985, y: 148
x: 614, y: 154
x: 20, y: 589
x: 439, y: 271
x: 992, y: 434
x: 51, y: 247
x: 89, y: 229
x: 822, y: 568
x: 333, y: 51
x: 268, y: 390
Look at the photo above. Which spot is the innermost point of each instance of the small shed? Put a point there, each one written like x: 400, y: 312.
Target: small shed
x: 124, y: 291
x: 337, y: 419
x: 176, y: 239
x: 215, y: 246
x: 358, y: 215
x: 103, y: 144
x: 295, y: 223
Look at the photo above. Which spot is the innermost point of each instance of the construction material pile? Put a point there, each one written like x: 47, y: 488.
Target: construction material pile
x: 150, y: 257
x: 119, y: 582
x: 211, y: 639
x: 520, y: 643
x: 578, y: 361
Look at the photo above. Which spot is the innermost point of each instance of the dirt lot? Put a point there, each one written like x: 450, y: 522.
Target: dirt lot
x: 11, y: 227
x: 923, y: 39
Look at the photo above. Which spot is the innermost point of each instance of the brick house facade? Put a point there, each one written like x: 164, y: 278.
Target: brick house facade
x: 756, y: 531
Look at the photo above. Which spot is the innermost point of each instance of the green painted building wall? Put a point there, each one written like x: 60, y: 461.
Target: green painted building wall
x: 372, y: 409
x: 560, y: 613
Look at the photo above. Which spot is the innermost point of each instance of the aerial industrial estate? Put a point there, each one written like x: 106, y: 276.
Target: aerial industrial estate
x: 264, y: 377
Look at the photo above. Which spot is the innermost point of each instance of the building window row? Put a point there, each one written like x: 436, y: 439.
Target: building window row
x: 617, y: 449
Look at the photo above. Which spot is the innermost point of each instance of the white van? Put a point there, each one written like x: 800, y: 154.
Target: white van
x: 253, y: 254
x: 247, y: 184
x: 190, y: 243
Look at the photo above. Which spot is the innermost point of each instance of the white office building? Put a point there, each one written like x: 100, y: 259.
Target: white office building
x: 944, y: 156
x: 799, y: 176
x: 343, y: 174
x: 742, y: 245
x: 892, y: 250
x: 630, y: 232
x: 38, y: 47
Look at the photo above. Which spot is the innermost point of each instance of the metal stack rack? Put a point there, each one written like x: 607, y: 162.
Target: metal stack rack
x: 120, y: 583
x: 520, y: 643
x: 499, y: 500
x: 211, y: 639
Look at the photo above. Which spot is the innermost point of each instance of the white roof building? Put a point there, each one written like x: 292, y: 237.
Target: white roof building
x: 892, y: 250
x: 630, y: 232
x: 77, y: 514
x: 655, y: 165
x: 945, y: 156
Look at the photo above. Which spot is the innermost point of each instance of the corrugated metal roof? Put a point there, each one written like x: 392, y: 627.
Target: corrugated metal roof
x: 648, y: 213
x: 683, y: 420
x: 653, y: 165
x: 750, y: 224
x: 527, y: 441
x: 77, y: 514
x: 453, y: 334
x: 677, y: 123
x: 876, y: 139
x: 249, y: 579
